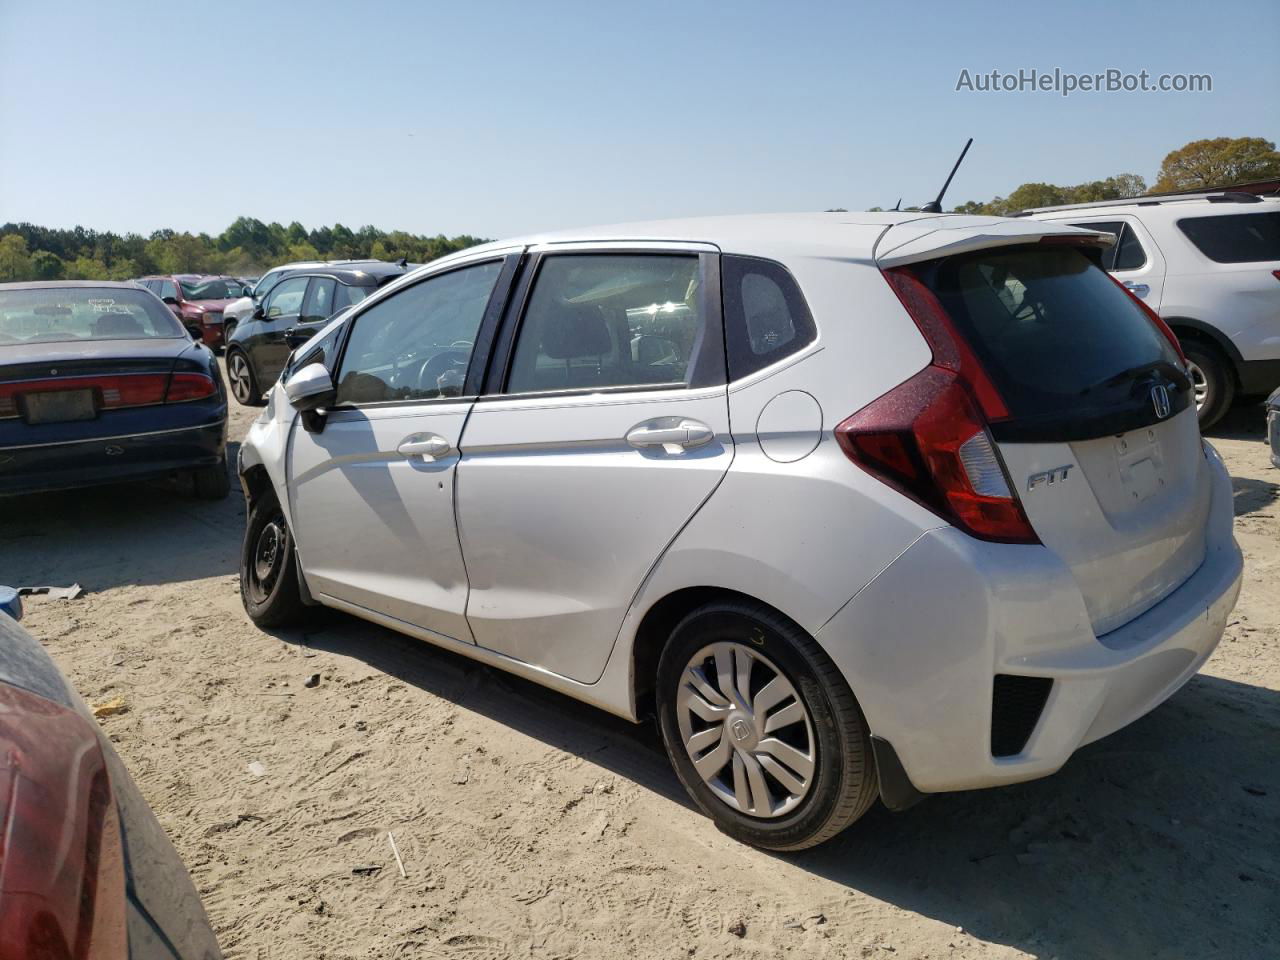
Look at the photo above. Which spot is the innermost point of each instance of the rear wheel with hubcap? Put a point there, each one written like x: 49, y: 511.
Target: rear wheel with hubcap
x: 1210, y: 380
x: 243, y: 384
x: 761, y: 727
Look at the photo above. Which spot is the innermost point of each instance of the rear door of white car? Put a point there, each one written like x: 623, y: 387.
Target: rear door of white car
x: 372, y: 492
x: 604, y: 428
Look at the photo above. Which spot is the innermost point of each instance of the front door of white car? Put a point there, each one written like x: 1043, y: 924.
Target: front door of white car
x: 372, y: 492
x: 605, y: 429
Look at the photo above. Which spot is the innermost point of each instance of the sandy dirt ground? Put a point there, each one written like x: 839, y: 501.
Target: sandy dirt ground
x: 531, y: 826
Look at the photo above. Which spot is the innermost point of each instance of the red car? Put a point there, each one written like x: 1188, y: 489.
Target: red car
x: 198, y: 301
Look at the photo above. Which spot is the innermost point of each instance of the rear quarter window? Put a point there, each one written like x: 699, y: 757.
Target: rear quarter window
x: 766, y: 317
x: 1235, y: 238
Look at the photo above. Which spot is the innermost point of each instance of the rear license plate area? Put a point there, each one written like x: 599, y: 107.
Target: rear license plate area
x: 59, y: 406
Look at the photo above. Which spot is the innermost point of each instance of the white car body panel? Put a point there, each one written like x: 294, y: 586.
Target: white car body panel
x: 916, y: 614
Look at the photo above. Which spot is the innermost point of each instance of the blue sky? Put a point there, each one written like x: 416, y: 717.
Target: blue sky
x: 502, y: 118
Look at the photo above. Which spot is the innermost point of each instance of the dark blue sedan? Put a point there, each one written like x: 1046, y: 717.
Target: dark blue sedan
x: 100, y: 383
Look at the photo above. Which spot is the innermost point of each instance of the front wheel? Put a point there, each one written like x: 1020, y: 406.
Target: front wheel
x: 1211, y: 381
x: 762, y: 729
x: 269, y: 567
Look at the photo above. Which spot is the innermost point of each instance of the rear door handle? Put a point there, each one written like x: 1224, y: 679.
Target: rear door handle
x: 1137, y: 289
x: 680, y: 432
x: 425, y: 446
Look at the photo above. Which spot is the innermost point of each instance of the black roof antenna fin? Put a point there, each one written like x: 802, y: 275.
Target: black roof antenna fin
x: 897, y: 207
x: 935, y: 206
x: 402, y: 262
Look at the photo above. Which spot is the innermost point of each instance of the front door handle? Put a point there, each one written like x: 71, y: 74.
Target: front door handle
x: 670, y: 432
x: 1139, y: 290
x: 425, y: 446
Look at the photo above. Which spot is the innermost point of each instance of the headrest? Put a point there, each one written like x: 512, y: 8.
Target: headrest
x: 117, y: 325
x: 576, y: 330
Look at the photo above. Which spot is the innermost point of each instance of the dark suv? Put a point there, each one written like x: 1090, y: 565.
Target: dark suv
x: 297, y: 306
x: 198, y: 301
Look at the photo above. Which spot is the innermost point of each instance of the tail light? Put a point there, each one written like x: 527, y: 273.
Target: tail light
x: 189, y: 386
x: 62, y: 869
x: 928, y: 437
x: 114, y: 392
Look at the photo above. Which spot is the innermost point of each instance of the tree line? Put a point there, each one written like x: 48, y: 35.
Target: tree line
x: 1200, y: 164
x: 246, y: 248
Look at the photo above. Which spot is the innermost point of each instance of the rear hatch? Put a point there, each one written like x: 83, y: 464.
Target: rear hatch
x: 1099, y: 436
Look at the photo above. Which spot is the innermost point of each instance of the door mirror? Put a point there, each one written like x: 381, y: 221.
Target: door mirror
x: 196, y: 335
x: 310, y: 387
x: 171, y: 301
x: 258, y: 312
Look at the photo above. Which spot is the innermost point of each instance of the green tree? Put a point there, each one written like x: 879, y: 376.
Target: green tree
x: 86, y: 268
x: 15, y: 262
x: 1219, y: 162
x: 47, y: 266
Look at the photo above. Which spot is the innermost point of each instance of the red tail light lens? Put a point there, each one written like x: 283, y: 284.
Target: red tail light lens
x: 189, y: 386
x: 62, y: 882
x: 114, y: 392
x: 927, y: 439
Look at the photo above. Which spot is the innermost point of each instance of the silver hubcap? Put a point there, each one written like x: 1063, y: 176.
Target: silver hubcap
x: 746, y: 730
x: 239, y: 374
x: 1199, y: 384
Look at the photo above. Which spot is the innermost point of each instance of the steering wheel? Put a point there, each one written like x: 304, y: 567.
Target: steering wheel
x: 433, y: 368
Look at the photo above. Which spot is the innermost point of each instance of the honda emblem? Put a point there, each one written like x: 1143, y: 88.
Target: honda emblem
x: 1160, y: 400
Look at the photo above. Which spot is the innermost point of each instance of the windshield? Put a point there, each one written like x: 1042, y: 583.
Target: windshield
x: 83, y: 313
x: 212, y: 288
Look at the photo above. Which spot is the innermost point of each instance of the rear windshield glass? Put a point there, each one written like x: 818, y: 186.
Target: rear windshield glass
x: 1236, y: 238
x: 83, y: 313
x: 212, y: 288
x: 1053, y: 331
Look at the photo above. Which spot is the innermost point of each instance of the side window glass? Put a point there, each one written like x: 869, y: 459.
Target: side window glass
x: 168, y: 289
x: 766, y: 317
x: 416, y: 345
x: 610, y: 320
x: 319, y: 350
x: 348, y: 296
x: 319, y: 304
x: 1116, y: 229
x: 285, y: 299
x: 1129, y: 253
x: 264, y: 285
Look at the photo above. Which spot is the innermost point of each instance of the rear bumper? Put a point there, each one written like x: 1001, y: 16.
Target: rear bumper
x: 924, y: 672
x: 109, y: 459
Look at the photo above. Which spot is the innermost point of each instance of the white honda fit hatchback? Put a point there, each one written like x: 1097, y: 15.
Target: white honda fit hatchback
x: 858, y: 505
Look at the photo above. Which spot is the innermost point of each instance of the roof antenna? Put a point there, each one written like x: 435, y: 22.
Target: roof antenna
x: 402, y: 262
x: 897, y: 207
x: 935, y: 206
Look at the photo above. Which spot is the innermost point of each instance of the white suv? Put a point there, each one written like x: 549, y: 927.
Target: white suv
x: 858, y: 505
x: 1209, y: 264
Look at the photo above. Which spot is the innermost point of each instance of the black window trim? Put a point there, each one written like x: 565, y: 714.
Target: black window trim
x: 484, y: 337
x: 711, y: 369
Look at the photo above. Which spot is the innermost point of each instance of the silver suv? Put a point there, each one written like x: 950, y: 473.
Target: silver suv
x: 857, y: 505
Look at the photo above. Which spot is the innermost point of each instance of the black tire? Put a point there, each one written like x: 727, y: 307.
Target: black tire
x: 212, y: 482
x: 1218, y: 383
x: 843, y: 784
x: 269, y: 567
x: 240, y: 376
